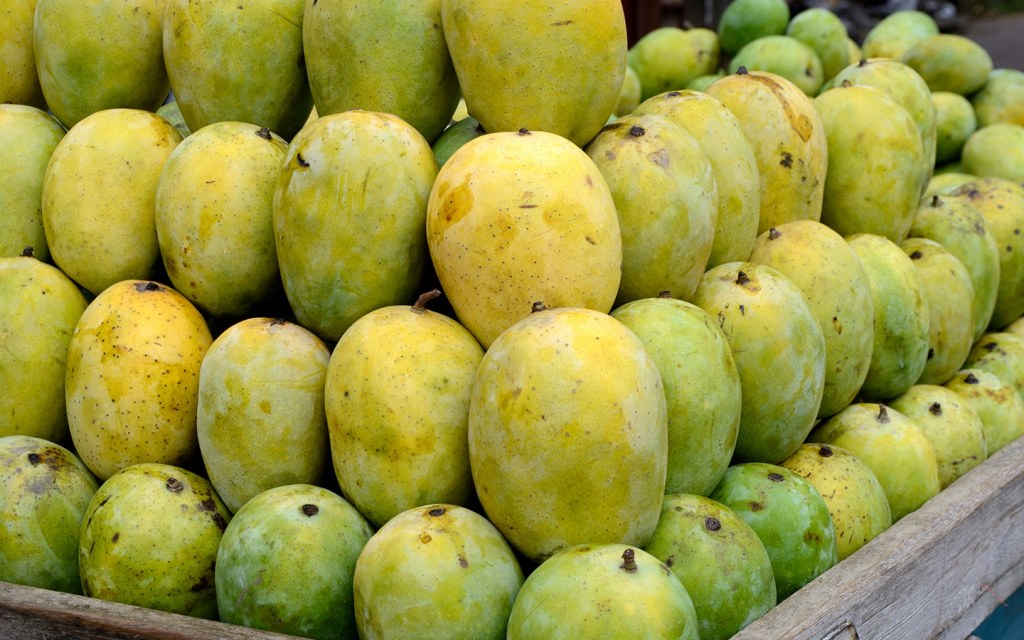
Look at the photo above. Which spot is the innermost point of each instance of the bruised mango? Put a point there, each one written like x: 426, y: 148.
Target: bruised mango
x: 998, y: 404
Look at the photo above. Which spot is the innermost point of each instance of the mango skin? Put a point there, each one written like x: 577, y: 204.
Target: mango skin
x: 1001, y: 99
x: 435, y: 566
x: 779, y: 350
x: 996, y: 150
x: 20, y: 82
x: 629, y: 95
x: 516, y: 218
x: 239, y: 62
x: 998, y: 404
x: 955, y: 121
x: 581, y: 379
x: 260, y: 418
x: 785, y: 56
x: 1002, y: 353
x: 44, y: 492
x: 949, y: 62
x: 897, y: 32
x: 664, y: 59
x: 132, y: 381
x: 149, y: 538
x: 456, y: 135
x: 610, y: 598
x: 397, y: 396
x: 539, y: 48
x: 81, y: 73
x: 28, y: 136
x: 747, y: 20
x: 349, y: 208
x: 286, y: 563
x: 823, y: 31
x: 39, y: 308
x: 99, y: 197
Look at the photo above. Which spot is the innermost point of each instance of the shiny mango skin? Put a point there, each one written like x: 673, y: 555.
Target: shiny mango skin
x: 387, y: 56
x: 568, y: 433
x: 789, y: 143
x: 349, y: 209
x: 39, y: 308
x: 523, y: 70
x: 132, y: 381
x: 238, y: 61
x: 997, y: 402
x: 260, y: 419
x: 517, y: 218
x: 20, y: 83
x: 950, y: 62
x: 99, y: 197
x: 397, y: 396
x: 92, y: 56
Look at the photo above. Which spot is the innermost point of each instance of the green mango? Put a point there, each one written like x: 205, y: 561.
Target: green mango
x: 20, y: 82
x: 701, y: 83
x: 1002, y: 353
x: 454, y: 137
x: 1001, y: 99
x: 664, y: 59
x: 895, y: 33
x: 630, y: 94
x: 823, y: 31
x: 950, y: 62
x: 744, y: 21
x: 996, y: 150
x: 998, y: 404
x: 955, y: 121
x: 785, y: 56
x: 171, y: 112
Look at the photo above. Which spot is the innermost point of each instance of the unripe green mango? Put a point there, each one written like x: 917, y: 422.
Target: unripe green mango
x: 996, y: 150
x: 348, y: 212
x: 744, y: 21
x: 286, y: 561
x: 20, y: 83
x: 39, y: 308
x: 664, y: 59
x: 823, y: 31
x: 827, y: 271
x: 132, y: 381
x: 454, y: 137
x: 901, y: 318
x: 99, y: 194
x: 949, y: 62
x: 435, y: 567
x: 701, y: 83
x: 93, y: 56
x: 789, y: 143
x: 1001, y: 99
x: 873, y: 182
x: 998, y: 404
x: 666, y: 198
x: 602, y: 591
x: 171, y: 112
x: 44, y: 492
x: 856, y: 54
x: 238, y: 61
x: 897, y: 32
x: 529, y: 75
x: 630, y: 94
x: 955, y: 121
x: 1002, y: 353
x: 149, y: 538
x: 779, y: 351
x: 785, y: 56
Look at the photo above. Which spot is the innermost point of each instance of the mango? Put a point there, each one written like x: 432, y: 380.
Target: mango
x: 895, y: 33
x: 998, y: 404
x: 700, y: 83
x: 996, y: 150
x: 856, y: 54
x: 785, y: 56
x: 949, y: 62
x: 629, y: 95
x: 20, y: 83
x: 1002, y: 353
x: 744, y: 21
x: 171, y: 112
x: 955, y: 121
x: 1001, y: 99
x: 824, y: 32
x: 664, y: 60
x: 946, y: 182
x: 454, y: 137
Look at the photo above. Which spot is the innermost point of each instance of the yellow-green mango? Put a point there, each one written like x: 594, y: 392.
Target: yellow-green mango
x: 388, y: 56
x: 998, y: 404
x: 897, y: 32
x: 667, y: 59
x: 955, y: 121
x: 946, y: 182
x: 666, y: 198
x: 709, y: 48
x: 260, y: 419
x: 568, y: 433
x: 93, y: 56
x: 1002, y: 353
x: 996, y: 150
x: 1001, y: 99
x: 397, y: 397
x: 456, y: 135
x: 1016, y: 327
x: 873, y: 182
x: 856, y: 54
x: 20, y: 83
x: 701, y: 83
x: 519, y: 218
x: 39, y: 308
x: 950, y: 62
x: 823, y: 31
x: 132, y: 381
x: 529, y: 74
x: 722, y: 139
x: 779, y: 350
x: 28, y: 137
x: 949, y: 297
x: 829, y: 274
x: 901, y: 319
x: 785, y: 56
x: 744, y: 21
x: 99, y: 197
x: 629, y: 95
x: 214, y: 217
x: 789, y: 143
x: 348, y: 212
x: 238, y: 61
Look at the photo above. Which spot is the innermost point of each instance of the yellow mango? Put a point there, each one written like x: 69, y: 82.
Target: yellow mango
x: 19, y: 83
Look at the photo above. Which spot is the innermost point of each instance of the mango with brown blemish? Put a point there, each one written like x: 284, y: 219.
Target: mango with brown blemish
x: 997, y: 402
x: 1002, y: 353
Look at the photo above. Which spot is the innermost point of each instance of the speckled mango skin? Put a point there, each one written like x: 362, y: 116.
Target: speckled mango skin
x: 723, y: 141
x: 873, y: 183
x: 523, y: 70
x: 28, y: 136
x: 99, y: 197
x: 44, y: 492
x: 286, y: 561
x: 589, y: 591
x: 855, y: 498
x: 149, y: 538
x: 568, y: 437
x: 214, y: 217
x: 516, y: 218
x: 666, y: 198
x: 397, y: 394
x: 719, y: 559
x: 92, y: 56
x: 702, y: 388
x: 436, y: 568
x: 1002, y: 353
x: 779, y: 350
x: 260, y: 420
x: 39, y: 308
x: 349, y: 209
x: 949, y: 62
x: 239, y: 61
x: 132, y: 381
x: 788, y: 139
x: 20, y: 82
x: 386, y: 56
x: 892, y: 446
x: 998, y: 404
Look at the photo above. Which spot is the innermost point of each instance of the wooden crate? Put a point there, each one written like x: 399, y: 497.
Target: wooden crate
x: 937, y: 573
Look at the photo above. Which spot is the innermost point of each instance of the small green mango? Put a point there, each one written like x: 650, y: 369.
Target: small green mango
x: 664, y: 59
x: 455, y: 136
x: 785, y: 56
x: 823, y: 31
x: 744, y: 21
x: 998, y: 404
x: 949, y: 62
x: 955, y: 121
x: 1001, y: 99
